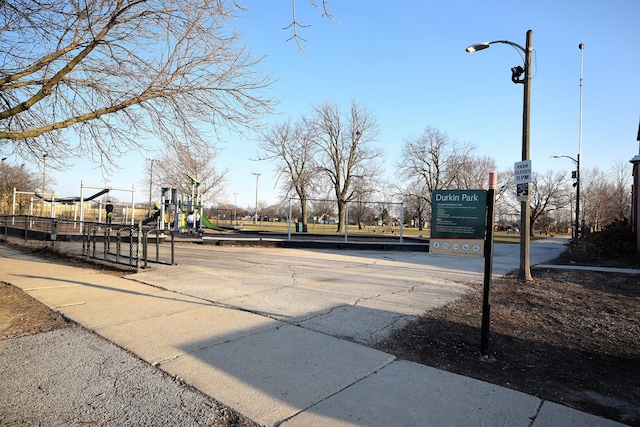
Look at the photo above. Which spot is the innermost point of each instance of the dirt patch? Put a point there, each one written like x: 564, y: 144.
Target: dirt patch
x: 570, y: 337
x: 21, y: 315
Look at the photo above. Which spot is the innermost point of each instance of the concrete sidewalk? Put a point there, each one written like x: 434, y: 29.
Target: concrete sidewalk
x: 275, y: 373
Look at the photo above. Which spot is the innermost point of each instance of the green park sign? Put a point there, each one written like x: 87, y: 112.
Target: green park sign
x: 458, y: 222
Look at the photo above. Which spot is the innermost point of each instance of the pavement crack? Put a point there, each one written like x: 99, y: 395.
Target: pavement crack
x: 372, y: 297
x: 532, y: 418
x: 293, y: 283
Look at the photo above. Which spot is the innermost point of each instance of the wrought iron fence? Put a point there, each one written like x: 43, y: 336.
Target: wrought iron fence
x: 119, y: 244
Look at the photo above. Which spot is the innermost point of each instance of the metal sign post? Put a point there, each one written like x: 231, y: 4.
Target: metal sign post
x: 488, y: 267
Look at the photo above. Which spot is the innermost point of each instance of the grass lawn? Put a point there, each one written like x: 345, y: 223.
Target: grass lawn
x: 330, y: 229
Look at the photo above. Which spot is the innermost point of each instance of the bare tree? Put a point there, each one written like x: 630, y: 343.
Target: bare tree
x: 605, y: 197
x: 619, y: 204
x: 474, y: 172
x: 546, y: 194
x: 344, y: 149
x: 363, y: 192
x: 291, y: 147
x: 507, y: 206
x: 20, y: 178
x: 417, y: 201
x: 116, y: 71
x: 593, y: 189
x: 296, y: 26
x: 434, y: 159
x: 178, y: 162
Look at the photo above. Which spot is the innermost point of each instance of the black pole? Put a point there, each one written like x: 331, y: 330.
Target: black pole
x: 525, y: 207
x: 577, y: 226
x: 488, y: 269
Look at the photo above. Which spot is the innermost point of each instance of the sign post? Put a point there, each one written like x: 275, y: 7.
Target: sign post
x: 462, y: 224
x: 488, y: 268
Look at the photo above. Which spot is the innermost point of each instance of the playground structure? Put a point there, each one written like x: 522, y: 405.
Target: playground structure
x: 128, y: 213
x: 175, y: 208
x: 171, y: 214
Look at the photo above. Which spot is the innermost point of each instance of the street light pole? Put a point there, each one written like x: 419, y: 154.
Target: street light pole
x: 150, y: 182
x: 516, y: 77
x: 235, y: 208
x: 575, y: 234
x: 581, y: 47
x: 575, y: 242
x: 44, y: 173
x: 525, y: 207
x: 255, y: 218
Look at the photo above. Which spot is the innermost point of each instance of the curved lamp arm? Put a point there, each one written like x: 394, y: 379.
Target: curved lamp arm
x: 516, y: 72
x: 481, y: 46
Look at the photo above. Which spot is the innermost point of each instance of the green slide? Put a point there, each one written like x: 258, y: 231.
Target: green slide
x: 154, y: 216
x: 207, y: 223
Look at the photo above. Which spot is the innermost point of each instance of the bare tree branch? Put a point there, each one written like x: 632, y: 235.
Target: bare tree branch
x: 344, y: 149
x: 118, y: 71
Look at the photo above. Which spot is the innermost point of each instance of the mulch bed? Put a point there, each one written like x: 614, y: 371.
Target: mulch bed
x: 571, y: 337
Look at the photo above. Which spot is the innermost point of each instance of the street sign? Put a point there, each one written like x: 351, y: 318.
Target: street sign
x: 522, y: 192
x: 458, y: 222
x: 522, y: 172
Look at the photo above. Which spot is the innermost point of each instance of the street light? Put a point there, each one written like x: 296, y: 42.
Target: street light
x: 255, y: 218
x: 517, y: 77
x: 576, y: 232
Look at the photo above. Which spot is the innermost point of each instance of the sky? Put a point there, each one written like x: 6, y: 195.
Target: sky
x: 405, y: 61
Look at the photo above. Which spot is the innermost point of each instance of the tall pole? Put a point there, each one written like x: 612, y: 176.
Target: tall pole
x: 44, y: 173
x: 525, y: 207
x: 255, y: 218
x: 235, y: 208
x: 150, y: 183
x: 577, y: 227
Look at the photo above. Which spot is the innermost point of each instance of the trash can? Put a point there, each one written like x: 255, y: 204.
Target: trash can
x: 298, y: 227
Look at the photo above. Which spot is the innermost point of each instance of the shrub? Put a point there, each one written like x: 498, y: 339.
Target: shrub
x: 614, y: 245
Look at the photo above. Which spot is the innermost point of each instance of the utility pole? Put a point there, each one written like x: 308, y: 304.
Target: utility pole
x: 255, y: 218
x: 151, y: 161
x: 235, y: 208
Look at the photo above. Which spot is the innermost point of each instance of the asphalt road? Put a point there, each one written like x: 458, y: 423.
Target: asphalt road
x: 359, y: 295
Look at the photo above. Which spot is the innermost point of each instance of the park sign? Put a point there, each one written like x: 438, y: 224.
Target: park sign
x: 458, y: 222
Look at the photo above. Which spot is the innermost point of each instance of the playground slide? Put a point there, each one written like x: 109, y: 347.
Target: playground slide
x: 71, y: 199
x: 208, y: 224
x: 154, y: 216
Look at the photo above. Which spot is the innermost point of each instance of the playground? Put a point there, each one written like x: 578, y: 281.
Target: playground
x: 176, y: 211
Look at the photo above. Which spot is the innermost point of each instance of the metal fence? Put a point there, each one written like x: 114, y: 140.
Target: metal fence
x: 132, y: 245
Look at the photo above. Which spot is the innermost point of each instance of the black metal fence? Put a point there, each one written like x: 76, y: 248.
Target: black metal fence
x: 132, y: 245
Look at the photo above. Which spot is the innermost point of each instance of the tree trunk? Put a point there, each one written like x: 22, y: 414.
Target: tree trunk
x: 303, y: 210
x: 341, y: 216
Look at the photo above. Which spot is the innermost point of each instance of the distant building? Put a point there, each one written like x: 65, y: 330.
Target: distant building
x: 635, y: 193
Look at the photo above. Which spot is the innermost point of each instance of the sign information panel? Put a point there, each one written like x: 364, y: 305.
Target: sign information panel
x: 522, y: 172
x: 522, y: 176
x: 458, y: 222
